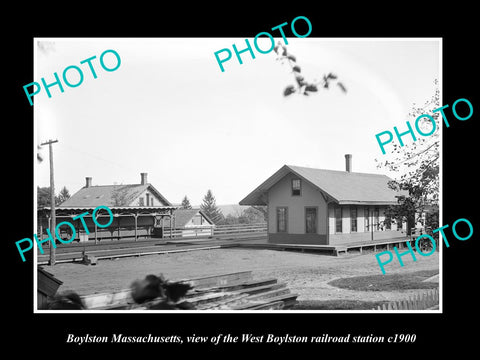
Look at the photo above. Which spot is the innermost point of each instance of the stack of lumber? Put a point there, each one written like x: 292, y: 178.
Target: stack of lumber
x: 233, y: 291
x: 47, y: 286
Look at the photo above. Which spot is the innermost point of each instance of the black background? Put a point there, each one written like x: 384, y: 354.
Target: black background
x: 46, y: 333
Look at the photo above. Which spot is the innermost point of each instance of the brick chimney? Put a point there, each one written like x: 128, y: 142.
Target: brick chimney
x: 348, y: 162
x: 88, y: 182
x: 144, y: 178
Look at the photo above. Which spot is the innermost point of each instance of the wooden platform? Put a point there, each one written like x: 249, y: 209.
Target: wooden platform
x: 233, y: 291
x: 329, y: 249
x: 335, y: 250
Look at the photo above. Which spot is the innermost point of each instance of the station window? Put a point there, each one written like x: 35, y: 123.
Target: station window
x: 376, y: 220
x: 338, y: 220
x: 296, y: 187
x: 367, y: 219
x: 311, y: 220
x: 353, y: 219
x: 282, y: 219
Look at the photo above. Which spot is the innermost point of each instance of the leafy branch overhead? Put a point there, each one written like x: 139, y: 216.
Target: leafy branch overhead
x: 302, y: 86
x: 417, y: 165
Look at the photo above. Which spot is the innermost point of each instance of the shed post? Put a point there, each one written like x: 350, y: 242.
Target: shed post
x: 96, y: 239
x: 41, y: 232
x: 135, y: 217
x: 77, y: 231
x: 162, y: 227
x: 118, y: 227
x: 48, y: 222
x: 371, y: 223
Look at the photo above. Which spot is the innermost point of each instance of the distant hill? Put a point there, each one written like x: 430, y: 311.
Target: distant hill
x: 233, y: 209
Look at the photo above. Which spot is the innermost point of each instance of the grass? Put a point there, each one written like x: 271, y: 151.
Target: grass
x: 337, y: 305
x: 406, y: 281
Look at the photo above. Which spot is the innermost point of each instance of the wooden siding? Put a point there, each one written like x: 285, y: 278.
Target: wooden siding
x: 280, y: 195
x: 151, y: 195
x: 284, y: 238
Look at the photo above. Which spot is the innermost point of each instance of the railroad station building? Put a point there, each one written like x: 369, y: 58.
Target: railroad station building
x: 140, y: 211
x: 326, y: 207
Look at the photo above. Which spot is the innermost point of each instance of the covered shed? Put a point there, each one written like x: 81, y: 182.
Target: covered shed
x: 139, y: 210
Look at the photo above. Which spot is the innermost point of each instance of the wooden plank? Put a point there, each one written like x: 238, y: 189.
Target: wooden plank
x: 107, y: 299
x: 210, y: 292
x: 225, y: 303
x: 95, y: 301
x: 218, y: 280
x: 270, y: 294
x: 209, y: 297
x: 47, y: 283
x: 261, y: 289
x: 244, y: 285
x: 275, y: 305
x: 250, y: 287
x: 288, y: 299
x: 42, y: 300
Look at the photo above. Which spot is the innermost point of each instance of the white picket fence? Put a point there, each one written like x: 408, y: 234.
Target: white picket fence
x: 426, y: 300
x: 236, y: 230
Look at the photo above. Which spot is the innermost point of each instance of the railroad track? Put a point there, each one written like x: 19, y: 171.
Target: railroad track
x: 122, y: 248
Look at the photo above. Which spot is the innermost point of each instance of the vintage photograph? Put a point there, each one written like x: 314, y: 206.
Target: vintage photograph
x: 294, y: 176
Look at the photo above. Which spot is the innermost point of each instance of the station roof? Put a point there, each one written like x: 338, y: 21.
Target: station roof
x: 108, y: 195
x: 341, y: 187
x: 75, y: 210
x: 183, y: 216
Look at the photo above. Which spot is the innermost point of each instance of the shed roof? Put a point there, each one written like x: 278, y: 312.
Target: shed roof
x: 105, y: 195
x: 341, y: 187
x: 183, y: 216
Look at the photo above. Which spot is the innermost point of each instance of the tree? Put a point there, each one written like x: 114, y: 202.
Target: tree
x: 253, y: 215
x: 43, y: 196
x: 186, y: 203
x: 62, y: 196
x: 209, y: 207
x: 229, y: 220
x: 301, y: 85
x: 418, y: 164
x: 262, y: 210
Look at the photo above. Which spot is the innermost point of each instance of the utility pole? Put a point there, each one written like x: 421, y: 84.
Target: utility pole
x: 52, y: 200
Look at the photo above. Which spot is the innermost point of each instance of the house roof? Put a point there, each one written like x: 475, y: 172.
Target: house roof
x: 105, y: 195
x: 341, y: 187
x: 183, y: 216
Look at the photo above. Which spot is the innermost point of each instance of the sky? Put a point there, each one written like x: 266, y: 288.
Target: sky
x: 169, y: 111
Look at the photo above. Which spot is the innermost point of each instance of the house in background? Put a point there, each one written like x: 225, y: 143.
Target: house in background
x: 326, y: 207
x: 139, y: 210
x: 143, y: 194
x: 192, y: 223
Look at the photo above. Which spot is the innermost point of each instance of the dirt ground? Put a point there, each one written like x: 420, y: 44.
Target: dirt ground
x: 305, y: 274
